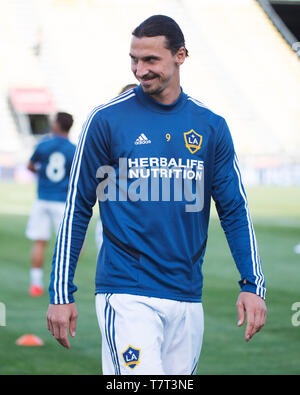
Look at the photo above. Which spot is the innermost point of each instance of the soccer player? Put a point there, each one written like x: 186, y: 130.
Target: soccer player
x: 51, y: 161
x: 155, y: 156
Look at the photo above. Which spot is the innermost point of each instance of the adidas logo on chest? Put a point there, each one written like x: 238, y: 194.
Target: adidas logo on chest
x: 142, y: 139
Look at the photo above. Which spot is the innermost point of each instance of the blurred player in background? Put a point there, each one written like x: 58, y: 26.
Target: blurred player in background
x: 127, y: 88
x: 149, y: 271
x: 51, y: 161
x: 99, y: 228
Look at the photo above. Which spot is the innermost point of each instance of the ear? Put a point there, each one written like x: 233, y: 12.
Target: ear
x: 180, y: 56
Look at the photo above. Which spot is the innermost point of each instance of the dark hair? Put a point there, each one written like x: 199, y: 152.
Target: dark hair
x: 162, y: 25
x: 64, y: 120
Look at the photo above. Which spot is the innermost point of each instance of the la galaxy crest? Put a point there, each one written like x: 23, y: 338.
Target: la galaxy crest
x: 193, y: 141
x: 131, y: 356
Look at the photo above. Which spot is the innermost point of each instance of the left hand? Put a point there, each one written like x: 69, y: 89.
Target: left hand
x: 255, y: 308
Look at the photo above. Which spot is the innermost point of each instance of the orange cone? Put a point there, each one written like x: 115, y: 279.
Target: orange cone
x: 29, y: 341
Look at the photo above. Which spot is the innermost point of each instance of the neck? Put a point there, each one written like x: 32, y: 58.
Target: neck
x: 171, y: 93
x: 61, y: 134
x: 168, y: 96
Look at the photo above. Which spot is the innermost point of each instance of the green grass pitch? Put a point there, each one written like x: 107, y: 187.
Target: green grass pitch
x: 275, y: 350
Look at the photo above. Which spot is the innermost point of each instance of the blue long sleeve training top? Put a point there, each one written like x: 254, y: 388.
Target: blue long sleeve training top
x: 154, y: 169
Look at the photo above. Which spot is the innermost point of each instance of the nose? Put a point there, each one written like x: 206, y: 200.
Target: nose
x: 140, y: 69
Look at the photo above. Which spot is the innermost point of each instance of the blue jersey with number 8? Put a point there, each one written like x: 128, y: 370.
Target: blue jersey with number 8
x: 53, y: 158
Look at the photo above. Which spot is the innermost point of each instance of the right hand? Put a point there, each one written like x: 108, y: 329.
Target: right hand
x: 59, y: 317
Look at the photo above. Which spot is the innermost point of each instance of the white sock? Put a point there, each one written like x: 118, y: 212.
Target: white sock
x: 36, y: 277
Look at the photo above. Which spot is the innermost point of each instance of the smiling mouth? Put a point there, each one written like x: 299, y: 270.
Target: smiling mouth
x: 147, y: 84
x: 148, y: 80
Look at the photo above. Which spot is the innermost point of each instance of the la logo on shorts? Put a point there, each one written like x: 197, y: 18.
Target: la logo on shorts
x: 131, y: 356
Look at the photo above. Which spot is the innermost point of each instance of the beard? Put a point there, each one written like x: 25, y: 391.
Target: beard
x: 157, y: 89
x: 152, y: 91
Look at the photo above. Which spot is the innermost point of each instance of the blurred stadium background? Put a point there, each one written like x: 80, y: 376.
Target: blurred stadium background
x: 71, y: 55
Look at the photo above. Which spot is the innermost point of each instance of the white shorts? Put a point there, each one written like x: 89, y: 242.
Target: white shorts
x: 147, y: 336
x: 45, y: 215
